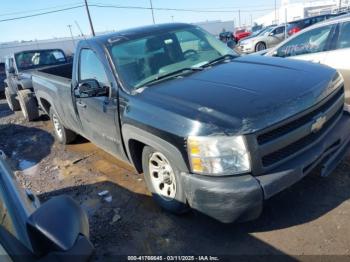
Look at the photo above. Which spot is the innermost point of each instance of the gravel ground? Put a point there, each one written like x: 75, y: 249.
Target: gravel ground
x: 310, y: 219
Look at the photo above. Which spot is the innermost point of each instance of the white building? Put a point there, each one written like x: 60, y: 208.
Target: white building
x: 290, y: 11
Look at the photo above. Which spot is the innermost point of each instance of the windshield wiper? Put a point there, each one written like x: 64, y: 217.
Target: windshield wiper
x: 168, y: 75
x: 219, y: 59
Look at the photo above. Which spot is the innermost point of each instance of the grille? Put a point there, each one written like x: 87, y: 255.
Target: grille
x: 276, y: 146
x: 300, y: 144
x: 280, y: 131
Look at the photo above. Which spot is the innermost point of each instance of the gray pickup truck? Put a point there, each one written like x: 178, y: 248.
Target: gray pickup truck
x: 18, y: 83
x: 209, y: 129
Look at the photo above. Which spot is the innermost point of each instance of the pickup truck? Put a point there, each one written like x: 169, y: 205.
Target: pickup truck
x: 18, y: 83
x: 210, y: 130
x: 30, y: 231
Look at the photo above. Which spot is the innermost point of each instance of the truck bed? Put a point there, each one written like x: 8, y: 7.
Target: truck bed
x: 64, y: 71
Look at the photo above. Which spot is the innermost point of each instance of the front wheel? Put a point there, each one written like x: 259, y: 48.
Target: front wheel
x: 63, y: 135
x: 163, y: 180
x: 11, y: 100
x: 260, y: 46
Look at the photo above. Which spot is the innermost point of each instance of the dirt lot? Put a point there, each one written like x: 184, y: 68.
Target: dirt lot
x: 311, y: 218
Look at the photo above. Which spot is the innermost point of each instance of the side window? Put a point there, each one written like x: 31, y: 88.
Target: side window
x: 312, y: 41
x: 344, y: 36
x: 278, y: 30
x: 90, y: 67
x: 9, y: 63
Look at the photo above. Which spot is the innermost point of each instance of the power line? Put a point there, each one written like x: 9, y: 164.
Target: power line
x: 40, y: 9
x: 43, y: 13
x: 177, y: 9
x: 134, y: 7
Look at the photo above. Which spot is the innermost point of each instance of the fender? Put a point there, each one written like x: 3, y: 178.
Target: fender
x: 25, y: 83
x: 131, y: 132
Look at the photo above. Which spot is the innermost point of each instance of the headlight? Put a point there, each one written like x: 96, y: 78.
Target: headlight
x: 220, y: 155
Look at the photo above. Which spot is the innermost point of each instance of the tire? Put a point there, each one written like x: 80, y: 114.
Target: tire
x: 11, y: 100
x: 260, y: 46
x: 63, y: 135
x: 174, y: 202
x: 28, y: 104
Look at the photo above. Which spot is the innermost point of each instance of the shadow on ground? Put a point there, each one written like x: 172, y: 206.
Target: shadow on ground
x: 5, y: 110
x: 25, y: 146
x: 143, y: 228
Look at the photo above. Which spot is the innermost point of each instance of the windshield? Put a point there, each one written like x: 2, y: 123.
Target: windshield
x: 145, y: 59
x: 39, y: 58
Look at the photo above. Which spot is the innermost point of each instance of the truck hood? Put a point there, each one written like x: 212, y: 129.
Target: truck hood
x: 245, y: 95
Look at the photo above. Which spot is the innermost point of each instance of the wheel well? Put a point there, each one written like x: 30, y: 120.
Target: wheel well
x: 135, y: 149
x: 261, y: 42
x: 46, y: 105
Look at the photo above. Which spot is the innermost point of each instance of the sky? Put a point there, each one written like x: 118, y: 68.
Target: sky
x: 108, y: 19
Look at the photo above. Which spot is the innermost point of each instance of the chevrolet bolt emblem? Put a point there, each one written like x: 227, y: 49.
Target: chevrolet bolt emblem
x: 318, y: 124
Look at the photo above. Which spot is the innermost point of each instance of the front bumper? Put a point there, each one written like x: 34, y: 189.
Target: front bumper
x: 245, y: 49
x: 228, y: 199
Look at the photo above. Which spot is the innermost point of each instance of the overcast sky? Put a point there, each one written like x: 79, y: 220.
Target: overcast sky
x: 106, y: 19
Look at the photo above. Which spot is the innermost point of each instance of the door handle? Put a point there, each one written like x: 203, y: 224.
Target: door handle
x: 80, y: 104
x: 316, y: 61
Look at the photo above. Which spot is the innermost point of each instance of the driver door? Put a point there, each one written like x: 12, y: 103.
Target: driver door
x: 98, y: 111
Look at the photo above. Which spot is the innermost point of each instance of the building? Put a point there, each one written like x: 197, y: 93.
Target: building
x: 216, y: 27
x: 290, y: 11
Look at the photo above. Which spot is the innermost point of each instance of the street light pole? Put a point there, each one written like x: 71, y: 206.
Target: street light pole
x: 71, y: 34
x: 90, y: 21
x: 150, y: 1
x: 275, y: 11
x: 239, y: 18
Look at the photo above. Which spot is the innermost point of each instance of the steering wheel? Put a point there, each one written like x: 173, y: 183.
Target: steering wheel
x: 190, y: 52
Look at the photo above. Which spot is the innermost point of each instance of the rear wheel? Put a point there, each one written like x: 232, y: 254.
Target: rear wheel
x: 163, y: 180
x: 28, y: 104
x: 260, y: 46
x: 63, y: 135
x: 11, y: 100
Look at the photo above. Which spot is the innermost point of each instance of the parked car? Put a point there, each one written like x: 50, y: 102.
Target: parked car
x: 2, y: 78
x: 18, y: 82
x: 33, y: 232
x: 298, y: 25
x: 240, y: 34
x: 209, y: 129
x: 267, y: 38
x: 327, y: 43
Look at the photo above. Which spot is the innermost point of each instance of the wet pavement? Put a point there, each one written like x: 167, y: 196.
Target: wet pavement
x: 310, y: 218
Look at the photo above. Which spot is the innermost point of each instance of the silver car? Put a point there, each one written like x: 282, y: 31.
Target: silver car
x: 267, y: 38
x: 327, y: 43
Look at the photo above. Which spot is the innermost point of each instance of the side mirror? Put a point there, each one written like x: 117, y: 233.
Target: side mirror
x: 12, y: 70
x: 59, y: 225
x: 271, y: 34
x: 90, y: 88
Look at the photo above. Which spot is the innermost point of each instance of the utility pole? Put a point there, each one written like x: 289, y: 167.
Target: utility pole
x: 150, y: 1
x: 71, y: 34
x: 88, y: 13
x: 251, y: 20
x: 239, y: 18
x: 340, y: 5
x: 172, y: 18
